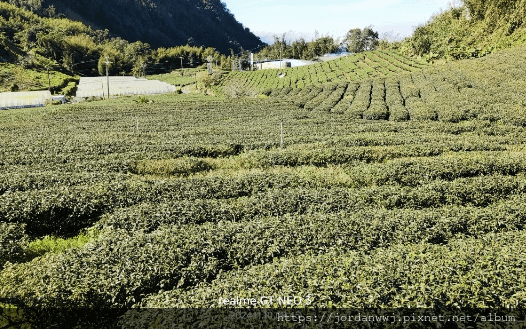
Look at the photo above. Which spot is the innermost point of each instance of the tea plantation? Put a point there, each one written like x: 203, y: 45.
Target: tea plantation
x: 402, y: 191
x: 378, y: 63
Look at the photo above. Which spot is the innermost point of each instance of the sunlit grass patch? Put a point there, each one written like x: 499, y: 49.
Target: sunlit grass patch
x: 53, y: 244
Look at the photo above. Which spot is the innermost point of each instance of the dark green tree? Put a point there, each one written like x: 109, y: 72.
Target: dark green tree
x: 354, y: 40
x: 358, y: 40
x: 370, y: 38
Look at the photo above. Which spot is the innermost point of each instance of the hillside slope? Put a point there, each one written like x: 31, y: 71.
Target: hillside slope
x: 33, y: 42
x: 371, y: 64
x: 489, y: 88
x: 160, y: 23
x: 474, y: 29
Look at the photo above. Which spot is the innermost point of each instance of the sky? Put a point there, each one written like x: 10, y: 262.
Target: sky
x: 301, y: 18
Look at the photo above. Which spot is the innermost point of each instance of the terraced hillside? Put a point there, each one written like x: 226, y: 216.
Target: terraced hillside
x: 489, y: 88
x: 189, y: 199
x: 356, y: 67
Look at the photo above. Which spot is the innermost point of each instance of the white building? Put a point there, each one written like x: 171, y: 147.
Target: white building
x: 281, y: 64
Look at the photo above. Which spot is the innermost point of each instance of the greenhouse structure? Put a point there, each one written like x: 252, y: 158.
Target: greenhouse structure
x: 14, y: 100
x: 120, y: 85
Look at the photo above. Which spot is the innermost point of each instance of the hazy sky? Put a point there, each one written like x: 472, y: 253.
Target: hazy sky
x: 334, y: 17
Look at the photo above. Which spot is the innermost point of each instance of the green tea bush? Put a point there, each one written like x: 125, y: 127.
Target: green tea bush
x: 13, y: 241
x: 171, y: 167
x: 407, y: 88
x: 150, y: 216
x: 404, y: 275
x: 347, y: 99
x: 377, y: 111
x: 120, y: 267
x: 398, y: 112
x: 414, y: 171
x: 361, y: 101
x: 65, y: 211
x: 25, y: 179
x: 322, y: 96
x: 418, y: 110
x: 309, y: 94
x: 392, y: 92
x: 334, y: 98
x: 513, y: 114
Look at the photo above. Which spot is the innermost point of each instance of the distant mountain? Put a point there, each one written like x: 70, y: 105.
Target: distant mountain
x: 268, y: 37
x: 161, y: 23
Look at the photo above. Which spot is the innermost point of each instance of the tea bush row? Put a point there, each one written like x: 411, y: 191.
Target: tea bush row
x: 361, y: 101
x: 411, y: 172
x: 346, y: 99
x: 171, y: 167
x: 330, y: 155
x: 320, y: 97
x: 65, y: 211
x: 377, y: 109
x: 121, y: 267
x: 403, y: 275
x: 394, y: 101
x: 13, y: 241
x: 150, y: 216
x: 334, y: 98
x: 30, y: 178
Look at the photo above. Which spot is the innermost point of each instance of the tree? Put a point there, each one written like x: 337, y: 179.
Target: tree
x: 358, y: 40
x: 354, y: 40
x: 370, y: 38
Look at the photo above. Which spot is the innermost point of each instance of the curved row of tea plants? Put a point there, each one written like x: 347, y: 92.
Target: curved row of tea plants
x: 451, y: 93
x: 376, y: 63
x: 189, y: 194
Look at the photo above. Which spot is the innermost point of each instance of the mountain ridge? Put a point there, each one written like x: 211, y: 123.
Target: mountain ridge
x: 160, y: 23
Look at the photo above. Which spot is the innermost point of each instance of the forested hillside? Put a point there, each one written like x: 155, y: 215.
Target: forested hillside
x: 474, y: 29
x: 160, y: 23
x: 31, y: 43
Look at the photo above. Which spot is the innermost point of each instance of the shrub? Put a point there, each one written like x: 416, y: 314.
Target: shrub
x: 376, y: 111
x: 402, y: 276
x: 397, y: 112
x: 13, y: 241
x: 179, y: 167
x: 143, y: 100
x: 418, y: 110
x: 237, y: 87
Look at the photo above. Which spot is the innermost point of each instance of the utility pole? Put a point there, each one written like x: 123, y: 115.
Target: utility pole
x: 107, y: 75
x: 209, y: 64
x: 281, y: 144
x: 48, y: 80
x: 182, y: 72
x: 280, y: 57
x: 143, y: 67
